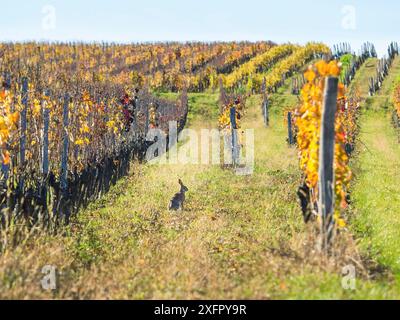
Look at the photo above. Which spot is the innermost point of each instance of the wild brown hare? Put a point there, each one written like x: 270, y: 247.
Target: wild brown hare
x: 178, y: 200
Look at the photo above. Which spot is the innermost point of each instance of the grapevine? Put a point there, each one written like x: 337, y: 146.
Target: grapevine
x: 260, y: 62
x: 287, y: 66
x: 8, y: 125
x: 308, y: 121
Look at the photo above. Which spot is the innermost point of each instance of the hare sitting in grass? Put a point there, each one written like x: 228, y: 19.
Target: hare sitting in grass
x: 179, y: 198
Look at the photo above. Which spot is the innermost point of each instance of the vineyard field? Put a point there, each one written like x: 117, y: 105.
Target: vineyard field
x: 97, y: 138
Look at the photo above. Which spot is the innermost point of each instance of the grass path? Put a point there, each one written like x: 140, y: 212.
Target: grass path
x: 234, y: 240
x: 361, y: 79
x: 376, y: 192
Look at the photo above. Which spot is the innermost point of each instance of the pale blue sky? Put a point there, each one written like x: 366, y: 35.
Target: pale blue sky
x: 205, y: 20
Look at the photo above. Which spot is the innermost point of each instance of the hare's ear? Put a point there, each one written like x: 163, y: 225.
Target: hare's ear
x: 180, y: 182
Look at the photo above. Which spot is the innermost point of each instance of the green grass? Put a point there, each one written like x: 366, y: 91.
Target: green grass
x: 392, y: 78
x: 376, y: 192
x: 383, y: 99
x: 284, y: 99
x: 376, y: 198
x: 361, y: 79
x: 197, y: 103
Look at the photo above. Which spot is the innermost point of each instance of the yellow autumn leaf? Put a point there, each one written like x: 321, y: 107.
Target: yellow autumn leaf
x: 340, y: 223
x: 6, y: 157
x: 334, y: 69
x: 310, y: 75
x: 79, y: 142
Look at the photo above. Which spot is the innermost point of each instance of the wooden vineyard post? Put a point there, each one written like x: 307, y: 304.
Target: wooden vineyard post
x: 235, y: 142
x: 290, y: 129
x: 266, y: 112
x: 64, y: 159
x: 135, y: 109
x: 136, y: 122
x: 45, y: 149
x: 45, y: 146
x: 147, y: 124
x: 326, y: 161
x: 5, y: 168
x: 23, y: 125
